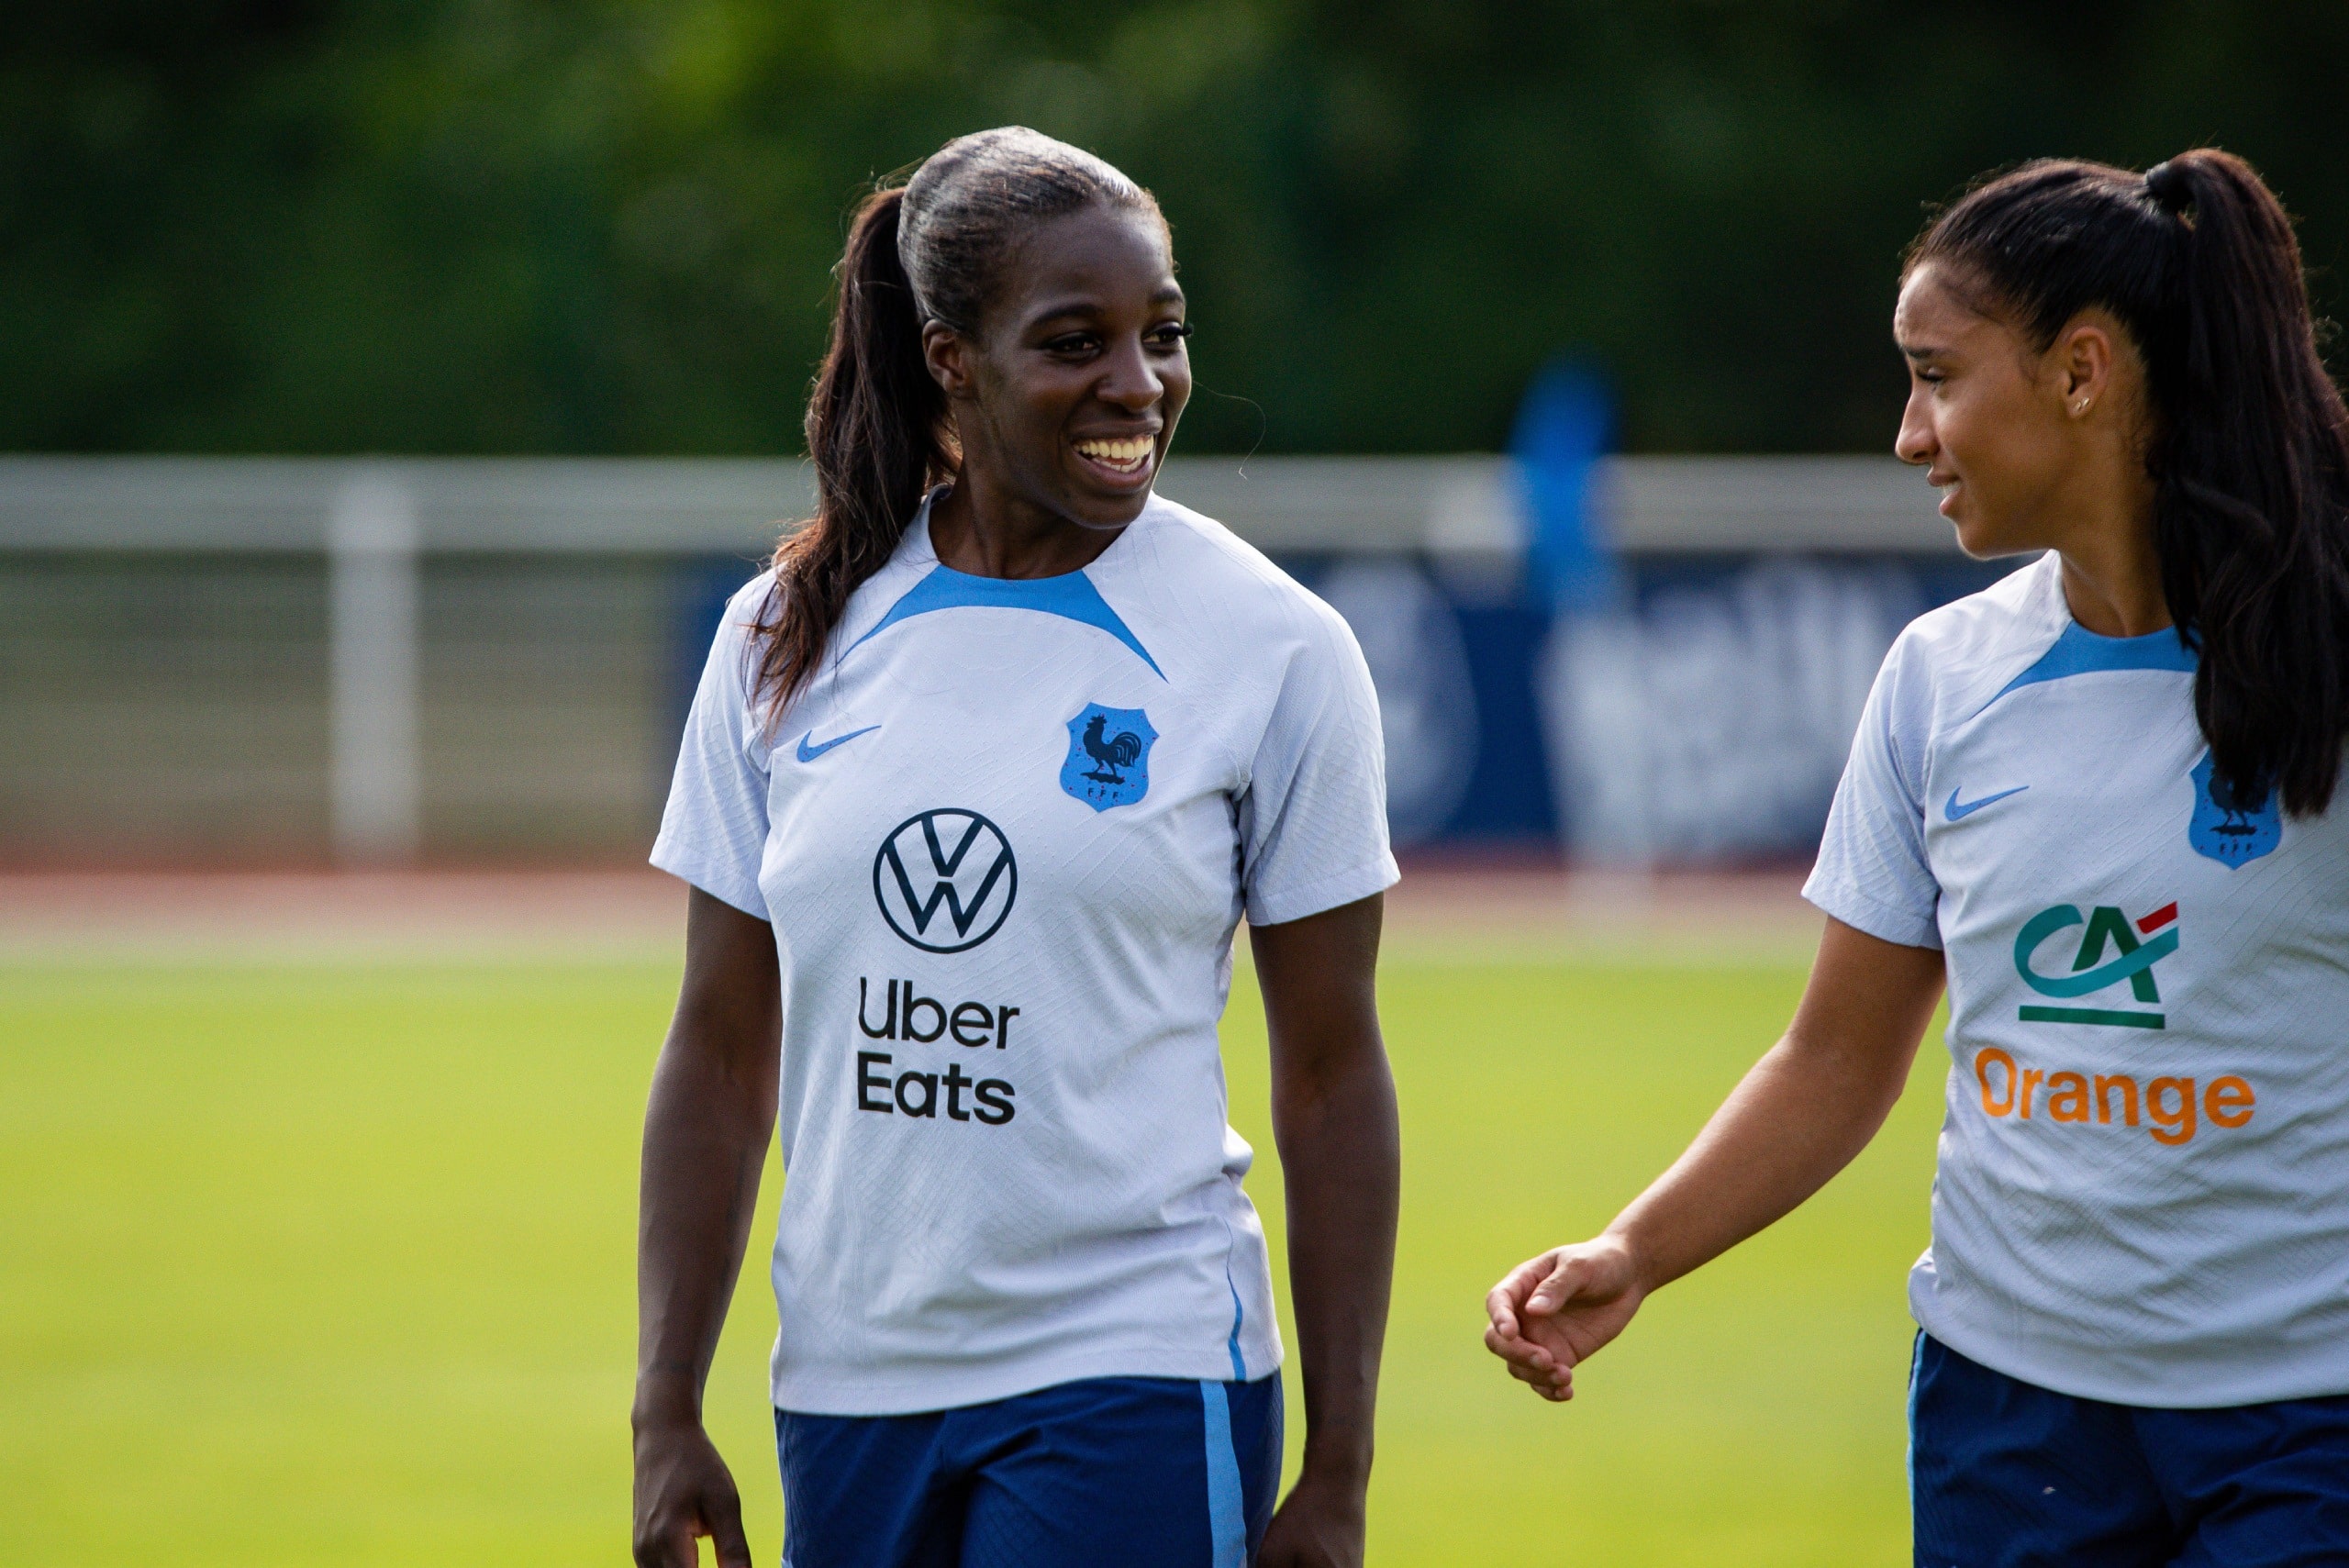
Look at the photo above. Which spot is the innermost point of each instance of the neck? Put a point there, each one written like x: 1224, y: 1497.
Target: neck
x: 2113, y: 572
x: 983, y: 528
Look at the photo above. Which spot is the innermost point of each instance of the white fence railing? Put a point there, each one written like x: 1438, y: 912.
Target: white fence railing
x: 382, y: 658
x: 564, y: 506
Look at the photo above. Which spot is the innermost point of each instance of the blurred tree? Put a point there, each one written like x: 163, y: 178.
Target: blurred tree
x: 607, y: 224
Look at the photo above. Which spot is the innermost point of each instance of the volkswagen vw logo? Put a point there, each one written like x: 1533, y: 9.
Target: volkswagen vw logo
x: 945, y: 880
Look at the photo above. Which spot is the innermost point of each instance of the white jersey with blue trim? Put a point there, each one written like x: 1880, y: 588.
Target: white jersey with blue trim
x: 1005, y: 837
x: 2143, y: 1194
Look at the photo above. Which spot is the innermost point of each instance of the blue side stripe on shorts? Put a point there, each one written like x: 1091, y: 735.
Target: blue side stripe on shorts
x: 1227, y: 1506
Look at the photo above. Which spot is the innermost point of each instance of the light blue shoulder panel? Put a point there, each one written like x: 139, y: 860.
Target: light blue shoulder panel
x: 1070, y: 597
x: 2079, y: 651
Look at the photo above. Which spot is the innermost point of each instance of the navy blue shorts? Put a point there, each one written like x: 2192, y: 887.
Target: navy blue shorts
x: 1146, y: 1471
x: 2004, y: 1473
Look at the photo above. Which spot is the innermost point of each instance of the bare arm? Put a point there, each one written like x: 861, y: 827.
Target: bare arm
x: 1801, y: 1114
x: 705, y: 1131
x: 1333, y: 1119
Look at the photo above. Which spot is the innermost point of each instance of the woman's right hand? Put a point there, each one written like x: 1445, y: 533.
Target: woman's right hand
x: 684, y: 1491
x: 1800, y: 1115
x: 1552, y: 1313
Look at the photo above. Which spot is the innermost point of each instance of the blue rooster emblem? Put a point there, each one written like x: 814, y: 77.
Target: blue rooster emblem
x: 1112, y: 751
x: 2230, y: 831
x: 1108, y: 756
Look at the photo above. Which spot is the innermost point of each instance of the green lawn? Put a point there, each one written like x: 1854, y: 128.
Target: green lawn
x: 317, y: 1264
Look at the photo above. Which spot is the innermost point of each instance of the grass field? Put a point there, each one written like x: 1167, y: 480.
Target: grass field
x: 323, y: 1263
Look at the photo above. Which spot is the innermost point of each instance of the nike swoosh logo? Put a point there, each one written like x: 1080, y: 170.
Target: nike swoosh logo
x: 809, y: 753
x: 1956, y: 813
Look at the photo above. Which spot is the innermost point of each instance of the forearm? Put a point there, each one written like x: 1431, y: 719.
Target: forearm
x: 1801, y: 1114
x: 706, y: 1136
x: 1339, y: 1147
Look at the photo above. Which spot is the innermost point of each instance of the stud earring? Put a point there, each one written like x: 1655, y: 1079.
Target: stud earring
x: 2084, y: 404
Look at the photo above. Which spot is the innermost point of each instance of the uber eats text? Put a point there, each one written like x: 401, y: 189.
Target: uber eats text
x: 905, y: 1014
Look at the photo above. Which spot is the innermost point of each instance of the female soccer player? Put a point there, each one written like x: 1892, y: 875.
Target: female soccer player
x: 2097, y: 797
x: 979, y: 780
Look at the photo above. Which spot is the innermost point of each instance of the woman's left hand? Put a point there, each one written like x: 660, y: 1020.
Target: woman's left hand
x: 1319, y: 1525
x: 1333, y: 1119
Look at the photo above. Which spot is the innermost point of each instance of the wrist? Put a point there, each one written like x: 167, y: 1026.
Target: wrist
x: 1336, y: 1463
x: 664, y: 1403
x: 1632, y: 1245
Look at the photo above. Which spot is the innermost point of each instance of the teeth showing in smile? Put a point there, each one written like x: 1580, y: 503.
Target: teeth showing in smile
x: 1127, y: 456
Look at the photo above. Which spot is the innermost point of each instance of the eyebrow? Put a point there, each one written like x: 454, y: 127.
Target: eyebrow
x: 1925, y: 351
x: 1086, y: 306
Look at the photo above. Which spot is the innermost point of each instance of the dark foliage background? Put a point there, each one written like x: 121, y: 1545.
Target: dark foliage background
x: 604, y: 226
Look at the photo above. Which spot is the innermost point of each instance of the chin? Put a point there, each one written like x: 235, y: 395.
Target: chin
x: 1105, y: 509
x: 1984, y: 542
x: 1113, y: 512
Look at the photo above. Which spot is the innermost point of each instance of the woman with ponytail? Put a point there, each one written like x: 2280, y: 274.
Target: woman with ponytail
x: 981, y: 777
x: 2098, y: 801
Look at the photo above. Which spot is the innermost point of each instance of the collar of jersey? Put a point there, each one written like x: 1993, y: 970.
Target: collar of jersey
x: 2079, y: 651
x: 1070, y: 597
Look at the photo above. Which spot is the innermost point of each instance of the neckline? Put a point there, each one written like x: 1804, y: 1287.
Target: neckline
x: 2072, y: 626
x: 919, y: 531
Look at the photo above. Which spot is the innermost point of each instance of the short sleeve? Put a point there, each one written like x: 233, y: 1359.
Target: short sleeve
x: 1871, y: 872
x: 714, y: 830
x: 1313, y: 818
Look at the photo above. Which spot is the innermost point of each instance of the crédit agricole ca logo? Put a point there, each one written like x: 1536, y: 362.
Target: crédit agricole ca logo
x: 2113, y: 950
x: 2114, y: 955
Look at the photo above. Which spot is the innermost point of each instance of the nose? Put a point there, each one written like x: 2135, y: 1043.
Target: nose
x: 1915, y: 442
x: 1129, y: 381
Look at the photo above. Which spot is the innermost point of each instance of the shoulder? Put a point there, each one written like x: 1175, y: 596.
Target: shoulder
x: 734, y: 643
x: 1967, y: 649
x: 751, y: 606
x: 733, y: 679
x: 1200, y: 570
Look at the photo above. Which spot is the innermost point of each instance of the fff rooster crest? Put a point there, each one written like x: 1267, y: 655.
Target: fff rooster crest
x: 1108, y: 756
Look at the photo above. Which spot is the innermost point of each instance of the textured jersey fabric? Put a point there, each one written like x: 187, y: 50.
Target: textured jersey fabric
x: 2143, y: 1194
x: 1004, y: 837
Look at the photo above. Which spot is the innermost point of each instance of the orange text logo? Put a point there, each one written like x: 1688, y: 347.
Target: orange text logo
x: 2168, y: 1108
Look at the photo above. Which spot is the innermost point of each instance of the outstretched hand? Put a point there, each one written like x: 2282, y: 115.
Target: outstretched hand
x: 1552, y: 1313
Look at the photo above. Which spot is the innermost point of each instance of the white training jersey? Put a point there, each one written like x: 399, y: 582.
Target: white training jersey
x: 2143, y: 1185
x: 1004, y: 836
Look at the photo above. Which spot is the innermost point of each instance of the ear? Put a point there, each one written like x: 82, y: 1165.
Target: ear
x: 950, y: 359
x: 2082, y: 363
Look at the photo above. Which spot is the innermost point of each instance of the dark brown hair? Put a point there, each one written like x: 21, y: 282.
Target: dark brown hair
x: 2249, y: 451
x: 932, y: 250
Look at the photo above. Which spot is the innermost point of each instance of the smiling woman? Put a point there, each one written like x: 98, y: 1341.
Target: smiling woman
x: 981, y: 777
x: 1063, y: 410
x: 990, y: 278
